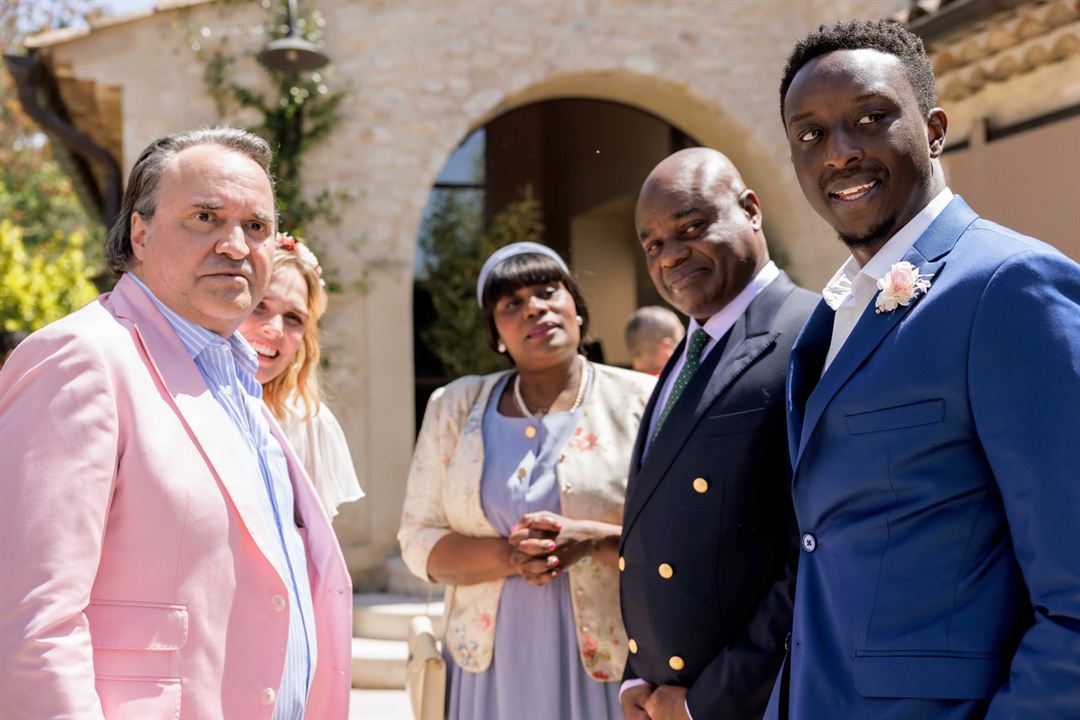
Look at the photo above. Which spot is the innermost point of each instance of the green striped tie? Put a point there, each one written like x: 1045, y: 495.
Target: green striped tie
x: 698, y: 341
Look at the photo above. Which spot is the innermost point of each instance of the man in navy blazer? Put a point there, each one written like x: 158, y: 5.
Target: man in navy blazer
x: 709, y: 542
x: 933, y: 400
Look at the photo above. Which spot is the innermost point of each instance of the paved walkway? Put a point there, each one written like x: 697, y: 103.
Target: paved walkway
x: 379, y: 705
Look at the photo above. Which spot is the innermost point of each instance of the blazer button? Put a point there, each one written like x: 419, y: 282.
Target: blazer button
x: 278, y: 603
x: 632, y: 644
x: 665, y: 571
x: 676, y: 663
x: 809, y: 543
x: 622, y: 563
x: 701, y: 485
x: 268, y: 696
x: 787, y: 641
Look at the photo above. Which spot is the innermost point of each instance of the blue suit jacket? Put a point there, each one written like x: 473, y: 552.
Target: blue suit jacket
x: 936, y: 481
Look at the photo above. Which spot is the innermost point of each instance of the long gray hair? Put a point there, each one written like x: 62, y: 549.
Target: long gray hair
x: 140, y: 196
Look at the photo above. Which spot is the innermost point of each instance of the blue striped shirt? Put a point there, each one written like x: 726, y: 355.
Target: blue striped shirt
x: 229, y: 367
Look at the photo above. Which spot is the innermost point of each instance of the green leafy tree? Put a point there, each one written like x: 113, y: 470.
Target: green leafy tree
x: 455, y: 246
x: 50, y: 246
x: 35, y: 192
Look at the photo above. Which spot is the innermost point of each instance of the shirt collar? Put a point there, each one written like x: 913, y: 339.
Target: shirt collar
x: 195, y: 338
x: 723, y: 320
x: 839, y: 287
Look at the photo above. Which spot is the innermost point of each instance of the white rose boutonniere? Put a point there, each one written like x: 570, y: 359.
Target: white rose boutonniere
x: 900, y: 286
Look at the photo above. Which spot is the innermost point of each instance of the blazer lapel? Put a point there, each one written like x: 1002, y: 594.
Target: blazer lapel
x: 323, y: 552
x: 746, y: 341
x: 650, y: 407
x: 207, y: 423
x: 804, y: 370
x: 666, y: 445
x: 928, y: 257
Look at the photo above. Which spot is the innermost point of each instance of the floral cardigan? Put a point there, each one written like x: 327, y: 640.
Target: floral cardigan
x: 443, y: 496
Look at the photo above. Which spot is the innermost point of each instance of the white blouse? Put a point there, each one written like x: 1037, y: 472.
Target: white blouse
x: 320, y: 445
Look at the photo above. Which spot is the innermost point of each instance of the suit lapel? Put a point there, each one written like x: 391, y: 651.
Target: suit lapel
x: 748, y: 338
x: 322, y: 552
x: 804, y: 370
x: 208, y: 425
x: 650, y: 407
x: 677, y: 427
x: 928, y: 255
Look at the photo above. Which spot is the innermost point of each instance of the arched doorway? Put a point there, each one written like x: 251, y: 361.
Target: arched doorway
x: 583, y: 160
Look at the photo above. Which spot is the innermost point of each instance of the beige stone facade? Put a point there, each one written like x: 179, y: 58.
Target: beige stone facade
x: 421, y: 76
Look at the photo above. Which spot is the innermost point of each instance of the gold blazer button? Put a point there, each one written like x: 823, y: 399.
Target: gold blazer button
x: 676, y: 663
x: 622, y: 563
x: 665, y: 571
x: 701, y: 484
x: 632, y: 644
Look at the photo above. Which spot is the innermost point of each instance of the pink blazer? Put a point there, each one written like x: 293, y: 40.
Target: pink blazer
x: 134, y: 579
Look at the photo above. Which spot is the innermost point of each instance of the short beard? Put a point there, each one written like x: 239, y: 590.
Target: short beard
x: 874, y: 236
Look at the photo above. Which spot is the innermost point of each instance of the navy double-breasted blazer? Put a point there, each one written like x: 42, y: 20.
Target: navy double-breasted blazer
x: 710, y: 501
x: 937, y: 488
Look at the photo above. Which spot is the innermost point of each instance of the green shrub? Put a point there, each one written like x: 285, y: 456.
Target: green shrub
x: 43, y: 284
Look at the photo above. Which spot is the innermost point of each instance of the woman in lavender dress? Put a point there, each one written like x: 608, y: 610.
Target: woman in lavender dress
x: 514, y: 500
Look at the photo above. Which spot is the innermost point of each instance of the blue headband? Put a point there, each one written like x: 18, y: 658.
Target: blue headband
x: 509, y: 251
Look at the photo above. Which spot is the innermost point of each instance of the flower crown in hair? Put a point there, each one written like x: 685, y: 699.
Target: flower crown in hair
x: 285, y: 241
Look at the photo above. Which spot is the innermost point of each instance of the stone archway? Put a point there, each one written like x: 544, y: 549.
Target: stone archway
x: 705, y: 119
x: 643, y: 99
x: 582, y: 161
x: 672, y: 101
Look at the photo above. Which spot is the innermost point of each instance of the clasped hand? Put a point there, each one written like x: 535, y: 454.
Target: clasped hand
x: 545, y: 544
x: 648, y: 702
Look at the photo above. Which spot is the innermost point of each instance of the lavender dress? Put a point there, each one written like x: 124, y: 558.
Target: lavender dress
x: 536, y: 671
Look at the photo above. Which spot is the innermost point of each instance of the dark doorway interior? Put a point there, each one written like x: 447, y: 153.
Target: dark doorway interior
x: 584, y: 160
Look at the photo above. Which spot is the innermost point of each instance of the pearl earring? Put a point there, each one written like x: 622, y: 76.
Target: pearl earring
x: 502, y: 347
x: 580, y: 321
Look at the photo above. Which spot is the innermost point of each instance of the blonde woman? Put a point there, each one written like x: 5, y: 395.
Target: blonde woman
x: 284, y: 331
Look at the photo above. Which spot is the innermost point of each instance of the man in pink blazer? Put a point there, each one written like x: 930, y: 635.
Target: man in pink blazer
x: 164, y: 554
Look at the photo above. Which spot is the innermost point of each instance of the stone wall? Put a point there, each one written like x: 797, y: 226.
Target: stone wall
x: 421, y: 75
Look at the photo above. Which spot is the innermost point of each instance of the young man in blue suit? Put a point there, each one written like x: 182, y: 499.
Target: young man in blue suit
x: 709, y: 542
x: 933, y: 400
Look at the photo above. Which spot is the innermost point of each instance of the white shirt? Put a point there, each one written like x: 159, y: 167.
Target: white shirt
x: 716, y: 327
x: 852, y: 288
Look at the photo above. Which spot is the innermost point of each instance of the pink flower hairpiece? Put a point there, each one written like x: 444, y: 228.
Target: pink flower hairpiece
x: 286, y: 241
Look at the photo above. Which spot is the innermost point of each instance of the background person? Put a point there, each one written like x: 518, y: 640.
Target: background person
x: 514, y: 500
x: 709, y: 541
x: 652, y: 334
x: 154, y: 562
x: 283, y: 329
x: 932, y: 410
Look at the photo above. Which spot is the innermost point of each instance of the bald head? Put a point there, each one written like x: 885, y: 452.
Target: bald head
x: 700, y: 228
x: 652, y: 334
x: 698, y: 169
